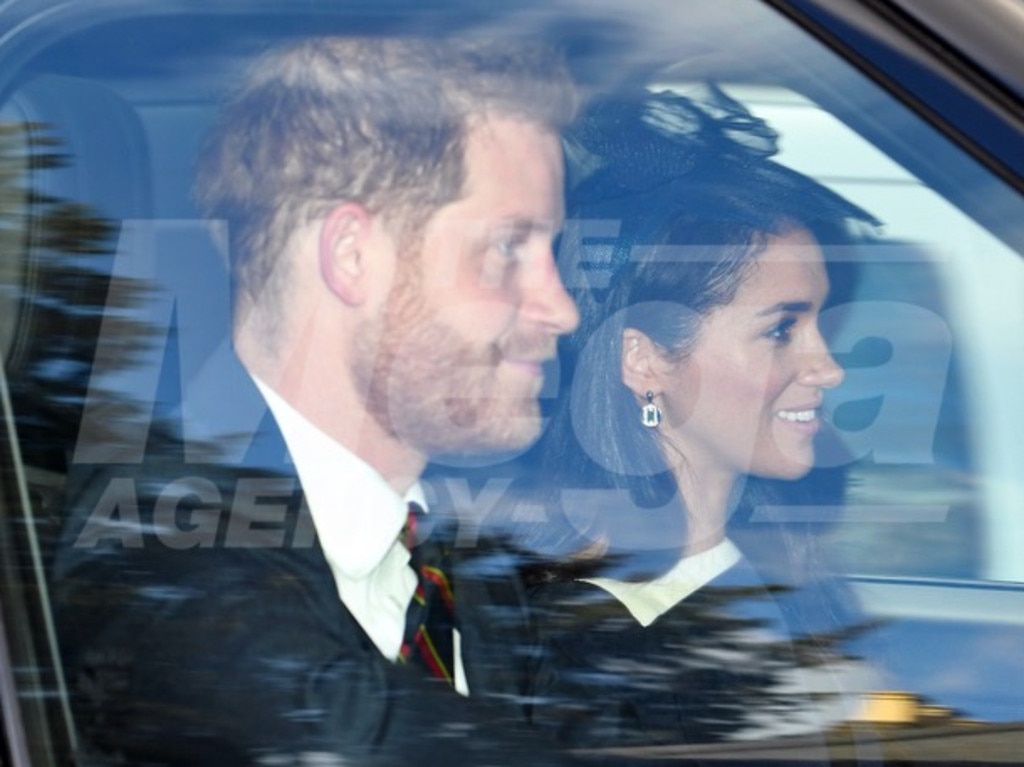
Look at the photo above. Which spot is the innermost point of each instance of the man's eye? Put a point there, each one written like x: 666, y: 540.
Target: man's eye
x: 510, y: 248
x: 501, y: 261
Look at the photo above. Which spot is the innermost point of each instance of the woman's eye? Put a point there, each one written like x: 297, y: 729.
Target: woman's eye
x: 782, y: 333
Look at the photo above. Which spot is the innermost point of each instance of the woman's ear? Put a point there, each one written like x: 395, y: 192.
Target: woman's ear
x: 344, y: 240
x: 643, y: 363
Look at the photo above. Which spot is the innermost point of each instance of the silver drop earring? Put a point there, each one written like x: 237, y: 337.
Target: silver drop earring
x: 650, y: 414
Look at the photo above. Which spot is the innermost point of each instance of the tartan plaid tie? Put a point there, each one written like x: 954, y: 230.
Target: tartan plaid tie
x: 429, y: 621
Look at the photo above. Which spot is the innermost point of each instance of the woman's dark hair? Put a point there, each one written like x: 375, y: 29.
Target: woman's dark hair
x: 688, y: 190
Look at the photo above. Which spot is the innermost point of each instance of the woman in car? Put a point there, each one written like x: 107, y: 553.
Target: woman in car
x: 697, y: 381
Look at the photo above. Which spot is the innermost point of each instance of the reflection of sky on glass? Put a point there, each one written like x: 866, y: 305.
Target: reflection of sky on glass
x: 974, y: 668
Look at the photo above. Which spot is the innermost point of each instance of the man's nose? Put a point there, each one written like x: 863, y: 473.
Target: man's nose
x: 547, y: 302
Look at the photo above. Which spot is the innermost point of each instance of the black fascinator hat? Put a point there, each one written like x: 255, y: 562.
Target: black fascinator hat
x: 635, y: 140
x: 639, y: 157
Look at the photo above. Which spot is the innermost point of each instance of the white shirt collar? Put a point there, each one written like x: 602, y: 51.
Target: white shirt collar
x: 357, y: 514
x: 648, y: 600
x: 358, y: 517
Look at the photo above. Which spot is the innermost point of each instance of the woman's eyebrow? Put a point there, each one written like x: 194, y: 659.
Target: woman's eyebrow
x: 787, y: 306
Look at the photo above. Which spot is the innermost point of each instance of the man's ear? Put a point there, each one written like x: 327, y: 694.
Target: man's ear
x: 643, y: 363
x: 345, y: 236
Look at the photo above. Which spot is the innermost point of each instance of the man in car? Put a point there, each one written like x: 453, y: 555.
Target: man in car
x: 390, y: 210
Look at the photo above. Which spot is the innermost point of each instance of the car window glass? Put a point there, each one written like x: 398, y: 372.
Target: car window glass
x: 115, y: 302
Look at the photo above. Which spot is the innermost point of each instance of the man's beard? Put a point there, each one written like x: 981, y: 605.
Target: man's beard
x: 429, y: 387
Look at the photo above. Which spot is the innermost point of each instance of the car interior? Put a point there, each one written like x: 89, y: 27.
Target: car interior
x: 109, y: 274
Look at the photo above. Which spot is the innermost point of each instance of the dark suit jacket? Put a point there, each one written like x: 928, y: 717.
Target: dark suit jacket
x: 200, y: 623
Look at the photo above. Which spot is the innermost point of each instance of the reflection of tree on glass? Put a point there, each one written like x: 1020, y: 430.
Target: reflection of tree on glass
x: 699, y: 373
x: 58, y: 286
